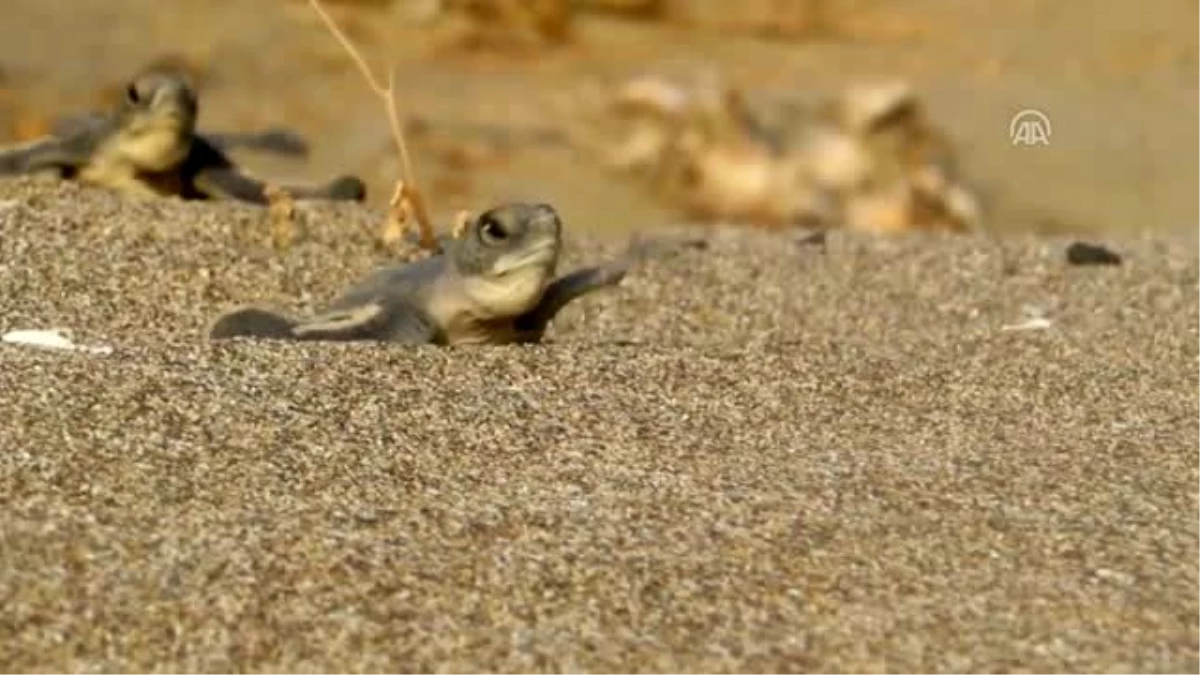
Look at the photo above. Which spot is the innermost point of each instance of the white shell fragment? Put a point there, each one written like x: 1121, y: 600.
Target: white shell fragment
x: 1033, y: 323
x: 50, y: 339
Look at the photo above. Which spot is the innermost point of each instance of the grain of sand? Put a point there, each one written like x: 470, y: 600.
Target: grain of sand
x: 758, y: 455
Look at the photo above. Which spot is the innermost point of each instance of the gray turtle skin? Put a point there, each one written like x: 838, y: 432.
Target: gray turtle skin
x: 148, y: 147
x: 494, y: 285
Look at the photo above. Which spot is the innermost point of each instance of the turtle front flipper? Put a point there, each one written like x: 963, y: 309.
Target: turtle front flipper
x: 532, y: 324
x: 230, y: 183
x: 279, y: 141
x: 340, y: 189
x: 214, y: 176
x: 42, y: 154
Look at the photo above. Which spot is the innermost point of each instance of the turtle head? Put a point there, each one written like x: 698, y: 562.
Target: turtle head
x: 508, y: 255
x: 157, y: 118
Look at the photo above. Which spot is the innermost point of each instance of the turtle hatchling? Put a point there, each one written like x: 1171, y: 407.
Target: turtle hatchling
x: 495, y: 284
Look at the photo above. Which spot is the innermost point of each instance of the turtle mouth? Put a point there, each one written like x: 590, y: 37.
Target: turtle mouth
x: 174, y: 121
x: 541, y: 254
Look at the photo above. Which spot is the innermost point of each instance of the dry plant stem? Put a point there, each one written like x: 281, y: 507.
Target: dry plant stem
x: 461, y: 220
x: 281, y: 213
x: 415, y: 204
x: 398, y: 217
x: 406, y: 189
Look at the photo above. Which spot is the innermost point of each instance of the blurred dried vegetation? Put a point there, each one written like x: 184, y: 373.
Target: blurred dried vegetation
x: 869, y: 159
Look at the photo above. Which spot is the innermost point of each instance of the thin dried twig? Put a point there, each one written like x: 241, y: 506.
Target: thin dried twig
x: 461, y: 220
x: 281, y: 213
x: 406, y: 201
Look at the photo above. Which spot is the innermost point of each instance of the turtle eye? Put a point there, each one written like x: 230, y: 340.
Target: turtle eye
x: 131, y: 94
x: 491, y: 231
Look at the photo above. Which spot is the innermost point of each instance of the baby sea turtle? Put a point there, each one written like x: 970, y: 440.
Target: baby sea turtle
x: 495, y: 284
x: 148, y: 146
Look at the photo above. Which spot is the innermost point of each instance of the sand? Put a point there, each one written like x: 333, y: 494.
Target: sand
x: 934, y: 453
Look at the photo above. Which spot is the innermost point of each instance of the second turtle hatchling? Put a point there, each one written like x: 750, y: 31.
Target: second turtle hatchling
x: 148, y: 146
